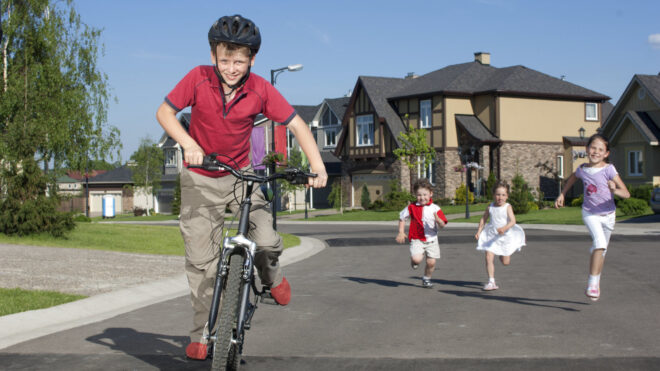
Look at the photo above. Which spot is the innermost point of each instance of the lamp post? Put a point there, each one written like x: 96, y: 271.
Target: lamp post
x: 581, y: 131
x: 466, y: 155
x: 273, y: 78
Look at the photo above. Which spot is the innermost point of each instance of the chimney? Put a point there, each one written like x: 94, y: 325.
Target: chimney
x: 411, y: 75
x: 482, y: 57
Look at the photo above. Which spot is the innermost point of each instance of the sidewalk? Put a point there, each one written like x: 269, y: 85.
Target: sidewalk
x: 105, y: 302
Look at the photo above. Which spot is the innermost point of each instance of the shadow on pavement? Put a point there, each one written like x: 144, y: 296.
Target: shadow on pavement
x: 386, y: 283
x: 517, y: 300
x: 165, y: 352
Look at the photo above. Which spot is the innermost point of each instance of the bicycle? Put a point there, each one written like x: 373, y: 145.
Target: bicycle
x: 232, y: 306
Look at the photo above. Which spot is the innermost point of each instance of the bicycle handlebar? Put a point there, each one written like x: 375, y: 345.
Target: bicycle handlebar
x: 291, y: 174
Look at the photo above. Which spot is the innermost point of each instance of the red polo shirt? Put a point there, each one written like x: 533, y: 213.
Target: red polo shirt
x: 225, y: 127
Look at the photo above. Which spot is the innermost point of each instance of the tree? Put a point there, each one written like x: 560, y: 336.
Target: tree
x: 335, y: 198
x: 176, y: 201
x: 53, y: 104
x: 415, y: 150
x: 148, y: 168
x: 365, y: 199
x: 295, y: 159
x: 520, y: 196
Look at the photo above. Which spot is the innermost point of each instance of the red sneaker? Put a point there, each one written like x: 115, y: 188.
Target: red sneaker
x: 282, y: 292
x: 196, y: 351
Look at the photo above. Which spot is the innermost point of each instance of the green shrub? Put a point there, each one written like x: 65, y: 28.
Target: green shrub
x: 520, y: 195
x: 397, y: 199
x: 490, y: 183
x: 443, y: 201
x: 577, y: 202
x: 365, y: 199
x: 81, y: 218
x: 533, y: 206
x: 633, y: 206
x: 335, y: 198
x: 459, y: 195
x: 377, y: 205
x: 642, y: 192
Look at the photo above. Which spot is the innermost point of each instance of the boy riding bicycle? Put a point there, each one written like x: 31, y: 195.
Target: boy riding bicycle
x: 224, y: 99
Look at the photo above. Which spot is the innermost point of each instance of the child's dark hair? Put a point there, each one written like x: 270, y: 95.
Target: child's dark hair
x: 422, y: 183
x: 601, y: 137
x: 501, y: 184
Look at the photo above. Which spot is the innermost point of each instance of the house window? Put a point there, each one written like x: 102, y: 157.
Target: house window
x: 560, y: 167
x: 635, y: 163
x: 591, y: 110
x: 170, y: 157
x: 329, y: 118
x: 425, y: 113
x: 429, y: 173
x: 365, y: 130
x: 331, y: 138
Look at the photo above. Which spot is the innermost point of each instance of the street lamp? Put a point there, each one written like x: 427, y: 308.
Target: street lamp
x: 581, y: 131
x: 466, y: 156
x: 273, y: 78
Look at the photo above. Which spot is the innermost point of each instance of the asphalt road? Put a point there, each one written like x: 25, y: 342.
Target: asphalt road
x: 358, y: 305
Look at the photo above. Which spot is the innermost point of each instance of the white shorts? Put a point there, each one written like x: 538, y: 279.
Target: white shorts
x: 600, y: 228
x: 429, y: 248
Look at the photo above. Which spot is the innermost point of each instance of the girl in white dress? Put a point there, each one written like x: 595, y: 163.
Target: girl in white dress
x: 502, y: 236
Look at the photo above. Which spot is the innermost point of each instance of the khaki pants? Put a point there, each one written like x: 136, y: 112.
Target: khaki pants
x: 203, y: 203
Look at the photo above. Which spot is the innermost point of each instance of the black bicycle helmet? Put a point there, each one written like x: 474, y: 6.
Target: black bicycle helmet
x: 237, y: 30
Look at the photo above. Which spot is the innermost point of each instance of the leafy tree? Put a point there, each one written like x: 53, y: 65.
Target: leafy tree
x: 365, y: 199
x: 148, y: 168
x: 415, y: 150
x: 53, y: 104
x: 520, y: 195
x: 295, y: 159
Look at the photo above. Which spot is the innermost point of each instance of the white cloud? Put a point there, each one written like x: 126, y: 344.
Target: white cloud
x: 654, y: 40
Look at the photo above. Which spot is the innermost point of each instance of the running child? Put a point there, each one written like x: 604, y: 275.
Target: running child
x: 425, y: 218
x: 601, y: 183
x: 501, y: 236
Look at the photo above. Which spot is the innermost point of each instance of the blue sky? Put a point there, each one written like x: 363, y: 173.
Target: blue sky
x: 150, y: 45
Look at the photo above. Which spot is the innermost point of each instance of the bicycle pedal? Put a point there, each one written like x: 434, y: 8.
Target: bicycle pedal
x: 267, y: 298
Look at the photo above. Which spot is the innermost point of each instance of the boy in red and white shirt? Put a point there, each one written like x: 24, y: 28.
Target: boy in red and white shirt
x: 425, y: 218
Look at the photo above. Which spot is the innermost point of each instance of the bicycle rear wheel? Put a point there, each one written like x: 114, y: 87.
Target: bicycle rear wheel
x: 226, y: 356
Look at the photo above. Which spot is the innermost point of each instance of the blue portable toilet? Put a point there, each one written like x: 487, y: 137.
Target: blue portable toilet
x: 108, y: 206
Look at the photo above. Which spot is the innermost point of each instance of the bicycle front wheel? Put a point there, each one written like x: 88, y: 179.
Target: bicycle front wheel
x: 225, y: 354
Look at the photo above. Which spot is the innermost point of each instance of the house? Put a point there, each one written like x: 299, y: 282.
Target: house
x: 505, y: 120
x: 173, y: 162
x: 633, y: 129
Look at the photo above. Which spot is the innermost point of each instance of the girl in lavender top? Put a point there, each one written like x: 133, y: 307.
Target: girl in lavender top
x: 601, y: 183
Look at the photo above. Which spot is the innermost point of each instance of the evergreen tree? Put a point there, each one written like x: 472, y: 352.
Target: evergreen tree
x: 53, y: 103
x: 176, y: 201
x: 520, y: 195
x: 365, y: 199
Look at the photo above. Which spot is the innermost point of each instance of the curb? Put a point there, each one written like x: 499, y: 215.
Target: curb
x: 19, y: 327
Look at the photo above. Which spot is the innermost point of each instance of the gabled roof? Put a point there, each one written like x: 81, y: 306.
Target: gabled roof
x: 307, y: 113
x: 67, y: 179
x: 378, y: 90
x: 338, y: 105
x: 474, y: 78
x: 645, y: 125
x: 120, y: 175
x: 651, y: 83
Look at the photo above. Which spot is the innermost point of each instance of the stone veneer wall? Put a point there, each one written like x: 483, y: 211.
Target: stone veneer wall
x: 525, y: 159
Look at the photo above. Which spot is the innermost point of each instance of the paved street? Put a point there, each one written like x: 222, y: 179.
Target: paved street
x: 357, y: 304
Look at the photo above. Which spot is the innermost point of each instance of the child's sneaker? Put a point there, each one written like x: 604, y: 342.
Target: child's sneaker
x: 282, y: 292
x: 413, y: 265
x: 426, y: 283
x: 490, y: 286
x: 593, y: 292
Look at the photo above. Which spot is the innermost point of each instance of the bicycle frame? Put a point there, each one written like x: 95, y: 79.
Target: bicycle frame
x: 238, y: 244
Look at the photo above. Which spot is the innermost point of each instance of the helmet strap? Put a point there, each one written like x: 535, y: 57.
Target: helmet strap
x: 240, y: 83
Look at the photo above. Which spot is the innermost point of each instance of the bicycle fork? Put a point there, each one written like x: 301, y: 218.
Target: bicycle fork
x: 236, y: 245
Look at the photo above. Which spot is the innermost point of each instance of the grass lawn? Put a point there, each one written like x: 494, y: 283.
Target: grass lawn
x: 373, y: 215
x: 18, y: 300
x: 142, y: 239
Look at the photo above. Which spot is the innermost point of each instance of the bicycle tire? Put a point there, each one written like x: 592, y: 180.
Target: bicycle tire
x: 227, y: 318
